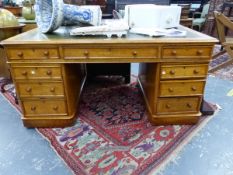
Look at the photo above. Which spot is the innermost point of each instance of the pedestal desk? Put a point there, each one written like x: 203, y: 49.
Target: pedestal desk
x: 49, y: 72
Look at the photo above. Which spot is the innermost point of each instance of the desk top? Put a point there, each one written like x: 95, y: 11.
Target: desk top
x: 62, y: 36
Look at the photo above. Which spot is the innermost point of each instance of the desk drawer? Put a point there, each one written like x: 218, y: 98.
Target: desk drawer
x: 44, y: 107
x: 178, y: 105
x: 30, y: 53
x: 40, y: 89
x: 187, y: 52
x: 36, y: 72
x: 101, y: 53
x: 181, y: 88
x: 183, y: 71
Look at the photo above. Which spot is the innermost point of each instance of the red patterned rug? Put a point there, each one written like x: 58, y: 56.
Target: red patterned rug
x: 112, y: 134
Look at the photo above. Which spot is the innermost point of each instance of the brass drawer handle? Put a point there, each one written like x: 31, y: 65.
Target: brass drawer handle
x: 199, y: 52
x: 24, y: 73
x: 55, y: 108
x: 134, y: 53
x: 46, y: 53
x: 33, y: 108
x: 168, y: 106
x: 189, y: 105
x: 174, y: 52
x: 172, y: 72
x: 170, y: 89
x: 52, y: 89
x: 195, y: 71
x: 20, y: 54
x: 28, y: 89
x: 194, y: 88
x: 86, y: 53
x: 49, y: 72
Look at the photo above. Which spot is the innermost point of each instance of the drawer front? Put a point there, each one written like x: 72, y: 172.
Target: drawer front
x: 43, y: 107
x: 36, y: 72
x: 40, y: 89
x: 178, y: 105
x: 181, y: 88
x: 188, y: 52
x: 183, y: 71
x: 92, y: 53
x: 37, y: 53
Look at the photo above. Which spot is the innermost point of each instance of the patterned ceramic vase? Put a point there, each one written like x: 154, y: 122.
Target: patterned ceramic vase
x: 50, y: 14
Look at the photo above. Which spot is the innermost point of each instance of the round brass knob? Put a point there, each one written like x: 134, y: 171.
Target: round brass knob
x: 24, y: 73
x: 170, y: 90
x: 195, y: 71
x: 134, y: 53
x: 28, y: 89
x: 86, y: 53
x: 33, y: 108
x: 174, y: 52
x: 172, y: 72
x: 49, y: 72
x: 55, y: 108
x: 189, y: 105
x: 46, y: 53
x: 193, y: 88
x: 199, y: 52
x: 20, y: 54
x: 168, y: 106
x: 52, y: 89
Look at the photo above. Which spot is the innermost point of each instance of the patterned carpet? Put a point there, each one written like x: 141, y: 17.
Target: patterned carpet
x: 112, y: 134
x: 227, y: 71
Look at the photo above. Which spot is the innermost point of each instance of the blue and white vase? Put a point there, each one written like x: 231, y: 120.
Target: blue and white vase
x: 51, y: 14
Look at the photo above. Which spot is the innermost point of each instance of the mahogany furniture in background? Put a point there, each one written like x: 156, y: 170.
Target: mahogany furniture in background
x: 49, y: 72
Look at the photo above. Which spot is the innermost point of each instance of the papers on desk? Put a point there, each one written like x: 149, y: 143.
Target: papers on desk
x: 159, y: 32
x: 109, y: 27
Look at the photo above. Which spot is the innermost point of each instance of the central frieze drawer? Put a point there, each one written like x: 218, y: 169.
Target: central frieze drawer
x: 36, y: 72
x: 39, y: 89
x: 187, y: 52
x: 33, y: 53
x: 44, y: 107
x: 178, y: 105
x: 181, y: 88
x: 183, y: 71
x: 95, y: 53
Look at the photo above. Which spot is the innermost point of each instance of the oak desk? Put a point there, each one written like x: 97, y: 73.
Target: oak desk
x: 48, y: 84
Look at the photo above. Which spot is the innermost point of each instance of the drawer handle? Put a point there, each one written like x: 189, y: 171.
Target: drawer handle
x: 193, y: 88
x: 199, y: 52
x: 189, y: 105
x: 170, y: 90
x: 55, y: 108
x: 33, y: 108
x: 28, y: 89
x: 172, y: 72
x: 46, y: 53
x: 174, y: 52
x: 168, y: 106
x: 49, y: 72
x: 24, y: 73
x: 134, y: 53
x: 52, y: 89
x: 195, y: 71
x: 20, y: 54
x: 86, y: 53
